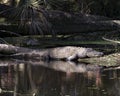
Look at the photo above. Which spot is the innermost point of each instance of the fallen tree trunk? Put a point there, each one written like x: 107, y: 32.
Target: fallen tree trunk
x: 10, y: 49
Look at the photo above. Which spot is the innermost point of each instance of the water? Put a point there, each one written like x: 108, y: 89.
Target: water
x: 58, y: 78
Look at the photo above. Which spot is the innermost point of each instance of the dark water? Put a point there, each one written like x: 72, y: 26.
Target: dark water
x: 31, y: 78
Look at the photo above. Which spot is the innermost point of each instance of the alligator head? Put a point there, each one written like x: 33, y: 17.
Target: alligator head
x: 93, y: 53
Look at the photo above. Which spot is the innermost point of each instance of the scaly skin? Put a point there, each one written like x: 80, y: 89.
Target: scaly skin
x: 69, y: 53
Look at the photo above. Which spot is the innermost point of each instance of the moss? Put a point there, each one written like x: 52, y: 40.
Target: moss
x: 108, y: 60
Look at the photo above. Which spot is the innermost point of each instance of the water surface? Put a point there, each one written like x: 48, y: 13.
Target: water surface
x: 58, y: 78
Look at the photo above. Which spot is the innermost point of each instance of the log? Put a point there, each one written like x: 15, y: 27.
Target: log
x: 107, y: 60
x: 7, y: 49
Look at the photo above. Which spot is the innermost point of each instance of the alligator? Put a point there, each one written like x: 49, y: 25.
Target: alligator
x: 106, y: 60
x: 68, y: 53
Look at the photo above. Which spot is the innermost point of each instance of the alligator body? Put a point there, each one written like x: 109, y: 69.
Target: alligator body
x: 60, y: 53
x: 71, y: 53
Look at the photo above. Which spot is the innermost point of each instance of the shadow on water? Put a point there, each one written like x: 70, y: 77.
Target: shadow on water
x: 57, y: 78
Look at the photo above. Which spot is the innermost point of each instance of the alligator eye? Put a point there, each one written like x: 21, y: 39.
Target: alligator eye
x: 102, y: 53
x: 99, y: 54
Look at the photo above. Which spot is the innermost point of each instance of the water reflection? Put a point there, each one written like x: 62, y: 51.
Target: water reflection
x: 57, y: 78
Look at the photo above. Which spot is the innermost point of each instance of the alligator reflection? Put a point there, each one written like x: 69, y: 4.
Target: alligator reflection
x: 57, y: 78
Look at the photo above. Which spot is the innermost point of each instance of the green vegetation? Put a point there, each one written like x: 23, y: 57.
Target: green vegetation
x: 108, y: 60
x: 31, y: 16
